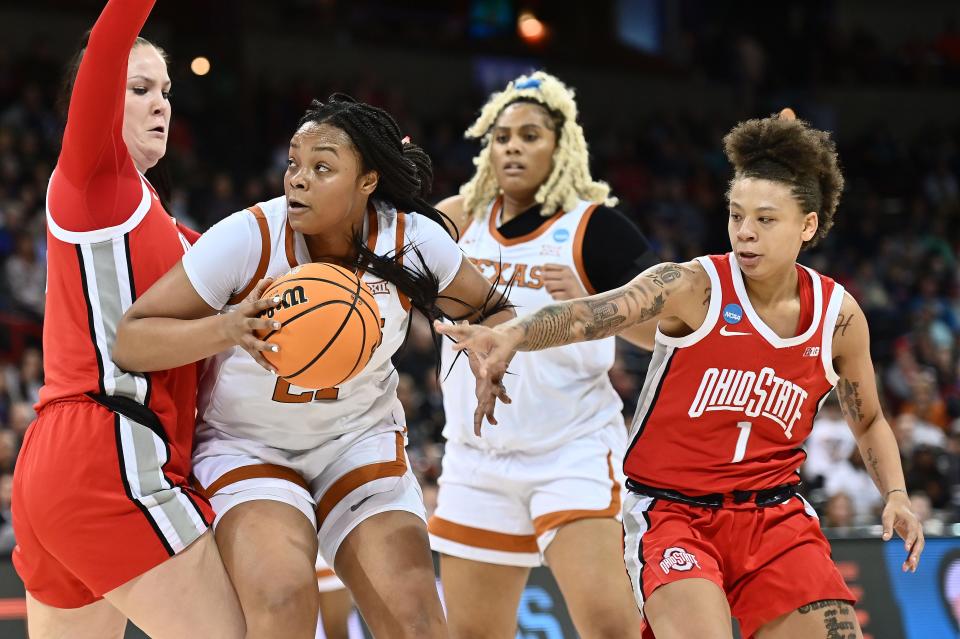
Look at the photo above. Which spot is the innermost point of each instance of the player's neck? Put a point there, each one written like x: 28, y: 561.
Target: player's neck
x: 772, y: 289
x: 515, y: 205
x: 338, y: 245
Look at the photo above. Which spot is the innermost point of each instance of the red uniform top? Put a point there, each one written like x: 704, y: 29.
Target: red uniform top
x: 109, y: 239
x: 728, y: 407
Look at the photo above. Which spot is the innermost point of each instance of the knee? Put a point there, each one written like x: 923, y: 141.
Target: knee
x: 291, y: 605
x: 418, y: 622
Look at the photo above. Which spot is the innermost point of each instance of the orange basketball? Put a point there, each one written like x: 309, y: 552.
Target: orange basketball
x: 330, y: 325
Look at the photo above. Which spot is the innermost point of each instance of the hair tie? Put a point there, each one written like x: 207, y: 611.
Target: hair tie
x: 405, y: 140
x: 529, y: 83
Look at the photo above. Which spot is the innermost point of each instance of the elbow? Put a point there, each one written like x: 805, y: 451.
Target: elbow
x: 122, y: 352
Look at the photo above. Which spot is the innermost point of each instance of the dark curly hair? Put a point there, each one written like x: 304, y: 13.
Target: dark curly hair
x: 792, y: 152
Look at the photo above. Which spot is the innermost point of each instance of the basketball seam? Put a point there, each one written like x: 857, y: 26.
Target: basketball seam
x: 353, y: 307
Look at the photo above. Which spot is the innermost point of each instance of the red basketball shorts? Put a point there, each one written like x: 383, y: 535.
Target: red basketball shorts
x: 769, y: 561
x: 97, y: 502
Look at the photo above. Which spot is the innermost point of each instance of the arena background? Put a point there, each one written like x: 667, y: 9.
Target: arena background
x: 659, y: 82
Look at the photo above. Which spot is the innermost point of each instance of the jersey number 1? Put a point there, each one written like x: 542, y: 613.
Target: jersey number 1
x: 741, y: 442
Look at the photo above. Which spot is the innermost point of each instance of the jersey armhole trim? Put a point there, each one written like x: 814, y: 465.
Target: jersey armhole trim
x: 713, y: 312
x: 104, y: 234
x: 398, y: 248
x: 264, y: 256
x: 578, y: 249
x: 829, y: 323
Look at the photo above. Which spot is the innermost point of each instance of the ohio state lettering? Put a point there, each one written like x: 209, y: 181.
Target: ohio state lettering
x: 754, y: 394
x: 677, y: 558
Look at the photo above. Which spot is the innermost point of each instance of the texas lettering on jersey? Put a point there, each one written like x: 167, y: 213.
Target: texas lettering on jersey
x: 502, y: 273
x: 755, y: 394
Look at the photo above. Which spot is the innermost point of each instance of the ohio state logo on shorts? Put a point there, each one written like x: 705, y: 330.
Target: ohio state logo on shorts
x: 677, y: 558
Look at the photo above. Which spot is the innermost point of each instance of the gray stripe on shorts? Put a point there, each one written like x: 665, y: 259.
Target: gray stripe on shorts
x: 167, y: 504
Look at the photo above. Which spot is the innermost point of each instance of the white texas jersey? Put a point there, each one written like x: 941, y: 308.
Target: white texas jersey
x: 558, y: 394
x: 241, y: 399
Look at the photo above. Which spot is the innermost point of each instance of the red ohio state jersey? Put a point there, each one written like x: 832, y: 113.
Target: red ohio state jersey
x: 108, y: 240
x: 729, y: 406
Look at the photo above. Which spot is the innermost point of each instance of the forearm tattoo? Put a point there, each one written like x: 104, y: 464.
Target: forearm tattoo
x: 850, y: 401
x: 873, y: 467
x: 839, y: 618
x: 598, y: 317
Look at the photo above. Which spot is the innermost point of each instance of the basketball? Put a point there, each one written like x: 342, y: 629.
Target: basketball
x: 330, y: 325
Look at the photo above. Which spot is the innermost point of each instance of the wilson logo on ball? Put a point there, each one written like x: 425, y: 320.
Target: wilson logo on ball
x: 290, y: 297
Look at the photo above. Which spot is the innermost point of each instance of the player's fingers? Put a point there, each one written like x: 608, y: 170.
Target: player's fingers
x: 456, y: 331
x: 253, y: 345
x: 502, y: 394
x: 256, y: 352
x: 887, y: 519
x: 918, y: 545
x: 257, y: 306
x: 264, y: 324
x: 553, y: 269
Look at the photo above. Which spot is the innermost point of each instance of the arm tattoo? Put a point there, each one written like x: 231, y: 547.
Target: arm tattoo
x: 843, y: 323
x: 873, y: 466
x: 594, y: 318
x: 665, y: 274
x: 850, y: 401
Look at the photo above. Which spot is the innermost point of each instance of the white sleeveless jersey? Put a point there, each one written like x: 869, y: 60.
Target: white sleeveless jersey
x: 240, y: 398
x: 558, y: 394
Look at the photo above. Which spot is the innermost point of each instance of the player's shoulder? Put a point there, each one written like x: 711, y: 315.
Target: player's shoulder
x: 453, y: 207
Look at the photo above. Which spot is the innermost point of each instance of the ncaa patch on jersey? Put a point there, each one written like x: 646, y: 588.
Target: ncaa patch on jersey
x: 732, y: 313
x: 561, y: 235
x: 677, y: 558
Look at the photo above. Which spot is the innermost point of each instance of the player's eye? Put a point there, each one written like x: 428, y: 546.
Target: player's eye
x: 139, y: 90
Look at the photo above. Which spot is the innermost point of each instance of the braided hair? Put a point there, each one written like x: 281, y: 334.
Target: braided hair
x: 405, y: 180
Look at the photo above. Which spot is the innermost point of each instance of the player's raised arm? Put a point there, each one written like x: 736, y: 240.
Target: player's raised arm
x: 92, y: 140
x: 857, y: 390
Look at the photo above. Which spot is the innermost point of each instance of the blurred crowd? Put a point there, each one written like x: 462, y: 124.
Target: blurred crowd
x: 895, y: 246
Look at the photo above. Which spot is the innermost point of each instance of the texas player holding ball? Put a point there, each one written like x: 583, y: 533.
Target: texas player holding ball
x: 748, y: 346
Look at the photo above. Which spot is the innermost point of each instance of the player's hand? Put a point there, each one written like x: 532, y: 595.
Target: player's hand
x: 898, y: 516
x: 490, y: 351
x: 488, y: 392
x: 561, y: 282
x: 240, y: 324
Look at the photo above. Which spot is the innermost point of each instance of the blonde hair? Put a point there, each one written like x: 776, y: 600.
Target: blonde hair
x: 569, y: 180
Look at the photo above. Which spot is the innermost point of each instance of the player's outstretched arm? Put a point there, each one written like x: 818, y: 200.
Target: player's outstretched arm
x: 659, y: 291
x: 857, y: 391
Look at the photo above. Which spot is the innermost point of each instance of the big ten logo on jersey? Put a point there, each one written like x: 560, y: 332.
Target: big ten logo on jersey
x: 503, y: 273
x: 292, y: 296
x: 752, y: 393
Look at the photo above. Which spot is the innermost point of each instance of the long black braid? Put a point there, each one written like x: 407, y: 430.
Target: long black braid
x: 405, y: 180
